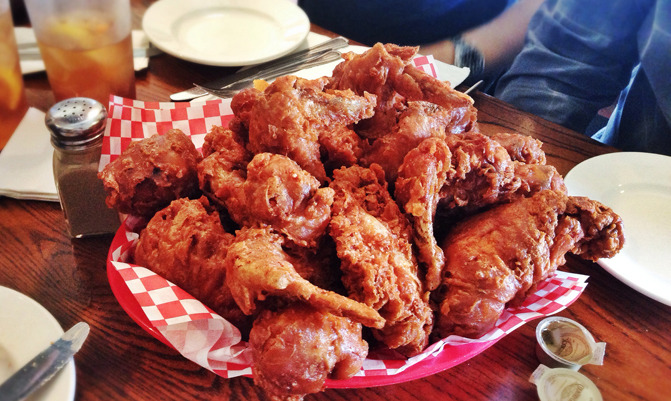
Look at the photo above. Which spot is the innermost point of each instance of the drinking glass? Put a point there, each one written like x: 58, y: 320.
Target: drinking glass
x: 86, y: 46
x: 12, y: 94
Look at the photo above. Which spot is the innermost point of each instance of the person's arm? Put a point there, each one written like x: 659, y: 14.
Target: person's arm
x: 499, y: 40
x: 577, y: 58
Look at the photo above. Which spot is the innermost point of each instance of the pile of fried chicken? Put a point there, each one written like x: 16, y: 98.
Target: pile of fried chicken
x: 362, y: 210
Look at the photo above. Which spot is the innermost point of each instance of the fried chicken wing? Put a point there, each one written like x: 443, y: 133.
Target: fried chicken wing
x: 289, y: 115
x: 420, y: 179
x: 186, y: 244
x: 296, y: 349
x: 151, y: 173
x: 497, y: 257
x: 481, y: 170
x: 372, y: 239
x: 258, y: 267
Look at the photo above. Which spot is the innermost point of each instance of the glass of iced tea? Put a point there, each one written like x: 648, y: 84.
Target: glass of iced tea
x: 12, y: 94
x: 86, y: 47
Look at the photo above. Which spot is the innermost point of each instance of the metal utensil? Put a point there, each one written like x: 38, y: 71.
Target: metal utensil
x: 231, y: 90
x: 45, y: 365
x: 246, y: 73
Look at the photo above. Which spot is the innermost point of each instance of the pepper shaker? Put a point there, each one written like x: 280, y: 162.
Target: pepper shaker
x: 77, y: 126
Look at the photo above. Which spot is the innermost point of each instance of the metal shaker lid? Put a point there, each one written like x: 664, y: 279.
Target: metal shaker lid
x: 76, y: 122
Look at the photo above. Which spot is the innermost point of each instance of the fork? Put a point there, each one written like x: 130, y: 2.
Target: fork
x: 311, y: 61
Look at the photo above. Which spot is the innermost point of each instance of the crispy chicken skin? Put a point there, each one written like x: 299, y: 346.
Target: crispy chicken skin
x: 289, y: 115
x: 231, y: 144
x: 258, y: 267
x: 297, y: 348
x: 494, y: 257
x: 186, y: 244
x: 419, y: 121
x: 272, y: 190
x: 602, y: 227
x: 521, y: 148
x: 151, y: 173
x: 420, y: 178
x: 497, y: 257
x: 372, y: 239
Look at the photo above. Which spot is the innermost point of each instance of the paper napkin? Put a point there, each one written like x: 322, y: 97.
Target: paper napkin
x: 26, y: 170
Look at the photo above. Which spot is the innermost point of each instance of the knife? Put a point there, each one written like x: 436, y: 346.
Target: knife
x: 189, y: 94
x: 45, y: 365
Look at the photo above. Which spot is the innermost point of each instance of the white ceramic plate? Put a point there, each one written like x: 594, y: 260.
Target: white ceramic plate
x: 226, y: 32
x: 27, y: 328
x: 637, y: 186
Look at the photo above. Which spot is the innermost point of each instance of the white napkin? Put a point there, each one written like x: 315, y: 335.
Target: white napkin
x: 31, y: 61
x: 26, y: 170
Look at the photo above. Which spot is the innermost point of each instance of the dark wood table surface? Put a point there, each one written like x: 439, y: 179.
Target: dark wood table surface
x: 120, y: 361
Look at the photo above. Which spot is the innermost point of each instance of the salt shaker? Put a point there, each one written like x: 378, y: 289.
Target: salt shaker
x: 77, y: 126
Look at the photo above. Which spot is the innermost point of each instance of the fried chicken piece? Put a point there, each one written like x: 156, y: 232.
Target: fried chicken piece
x: 602, y: 227
x: 242, y: 105
x: 476, y: 172
x: 497, y: 257
x: 374, y: 71
x: 229, y: 142
x: 521, y: 148
x: 415, y: 84
x: 274, y: 190
x: 372, y: 239
x: 186, y: 244
x: 258, y: 267
x: 386, y: 71
x: 421, y: 120
x: 420, y: 179
x: 151, y: 173
x: 289, y: 115
x: 481, y: 171
x: 296, y: 349
x: 341, y: 147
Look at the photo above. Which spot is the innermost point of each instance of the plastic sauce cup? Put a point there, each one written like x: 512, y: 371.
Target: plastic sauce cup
x: 564, y: 343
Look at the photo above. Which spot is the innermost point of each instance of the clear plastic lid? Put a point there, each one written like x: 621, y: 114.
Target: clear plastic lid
x: 560, y: 384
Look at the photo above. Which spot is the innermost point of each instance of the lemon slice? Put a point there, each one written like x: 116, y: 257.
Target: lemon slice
x: 11, y: 87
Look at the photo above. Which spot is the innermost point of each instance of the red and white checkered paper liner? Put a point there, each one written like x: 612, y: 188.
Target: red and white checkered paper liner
x: 178, y: 320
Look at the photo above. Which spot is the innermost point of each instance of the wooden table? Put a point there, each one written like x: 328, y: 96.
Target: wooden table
x: 120, y: 361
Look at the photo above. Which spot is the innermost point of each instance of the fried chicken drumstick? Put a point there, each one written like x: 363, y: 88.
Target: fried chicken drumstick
x: 297, y: 348
x: 495, y: 258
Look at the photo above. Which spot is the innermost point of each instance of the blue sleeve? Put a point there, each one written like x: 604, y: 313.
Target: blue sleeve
x: 577, y: 57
